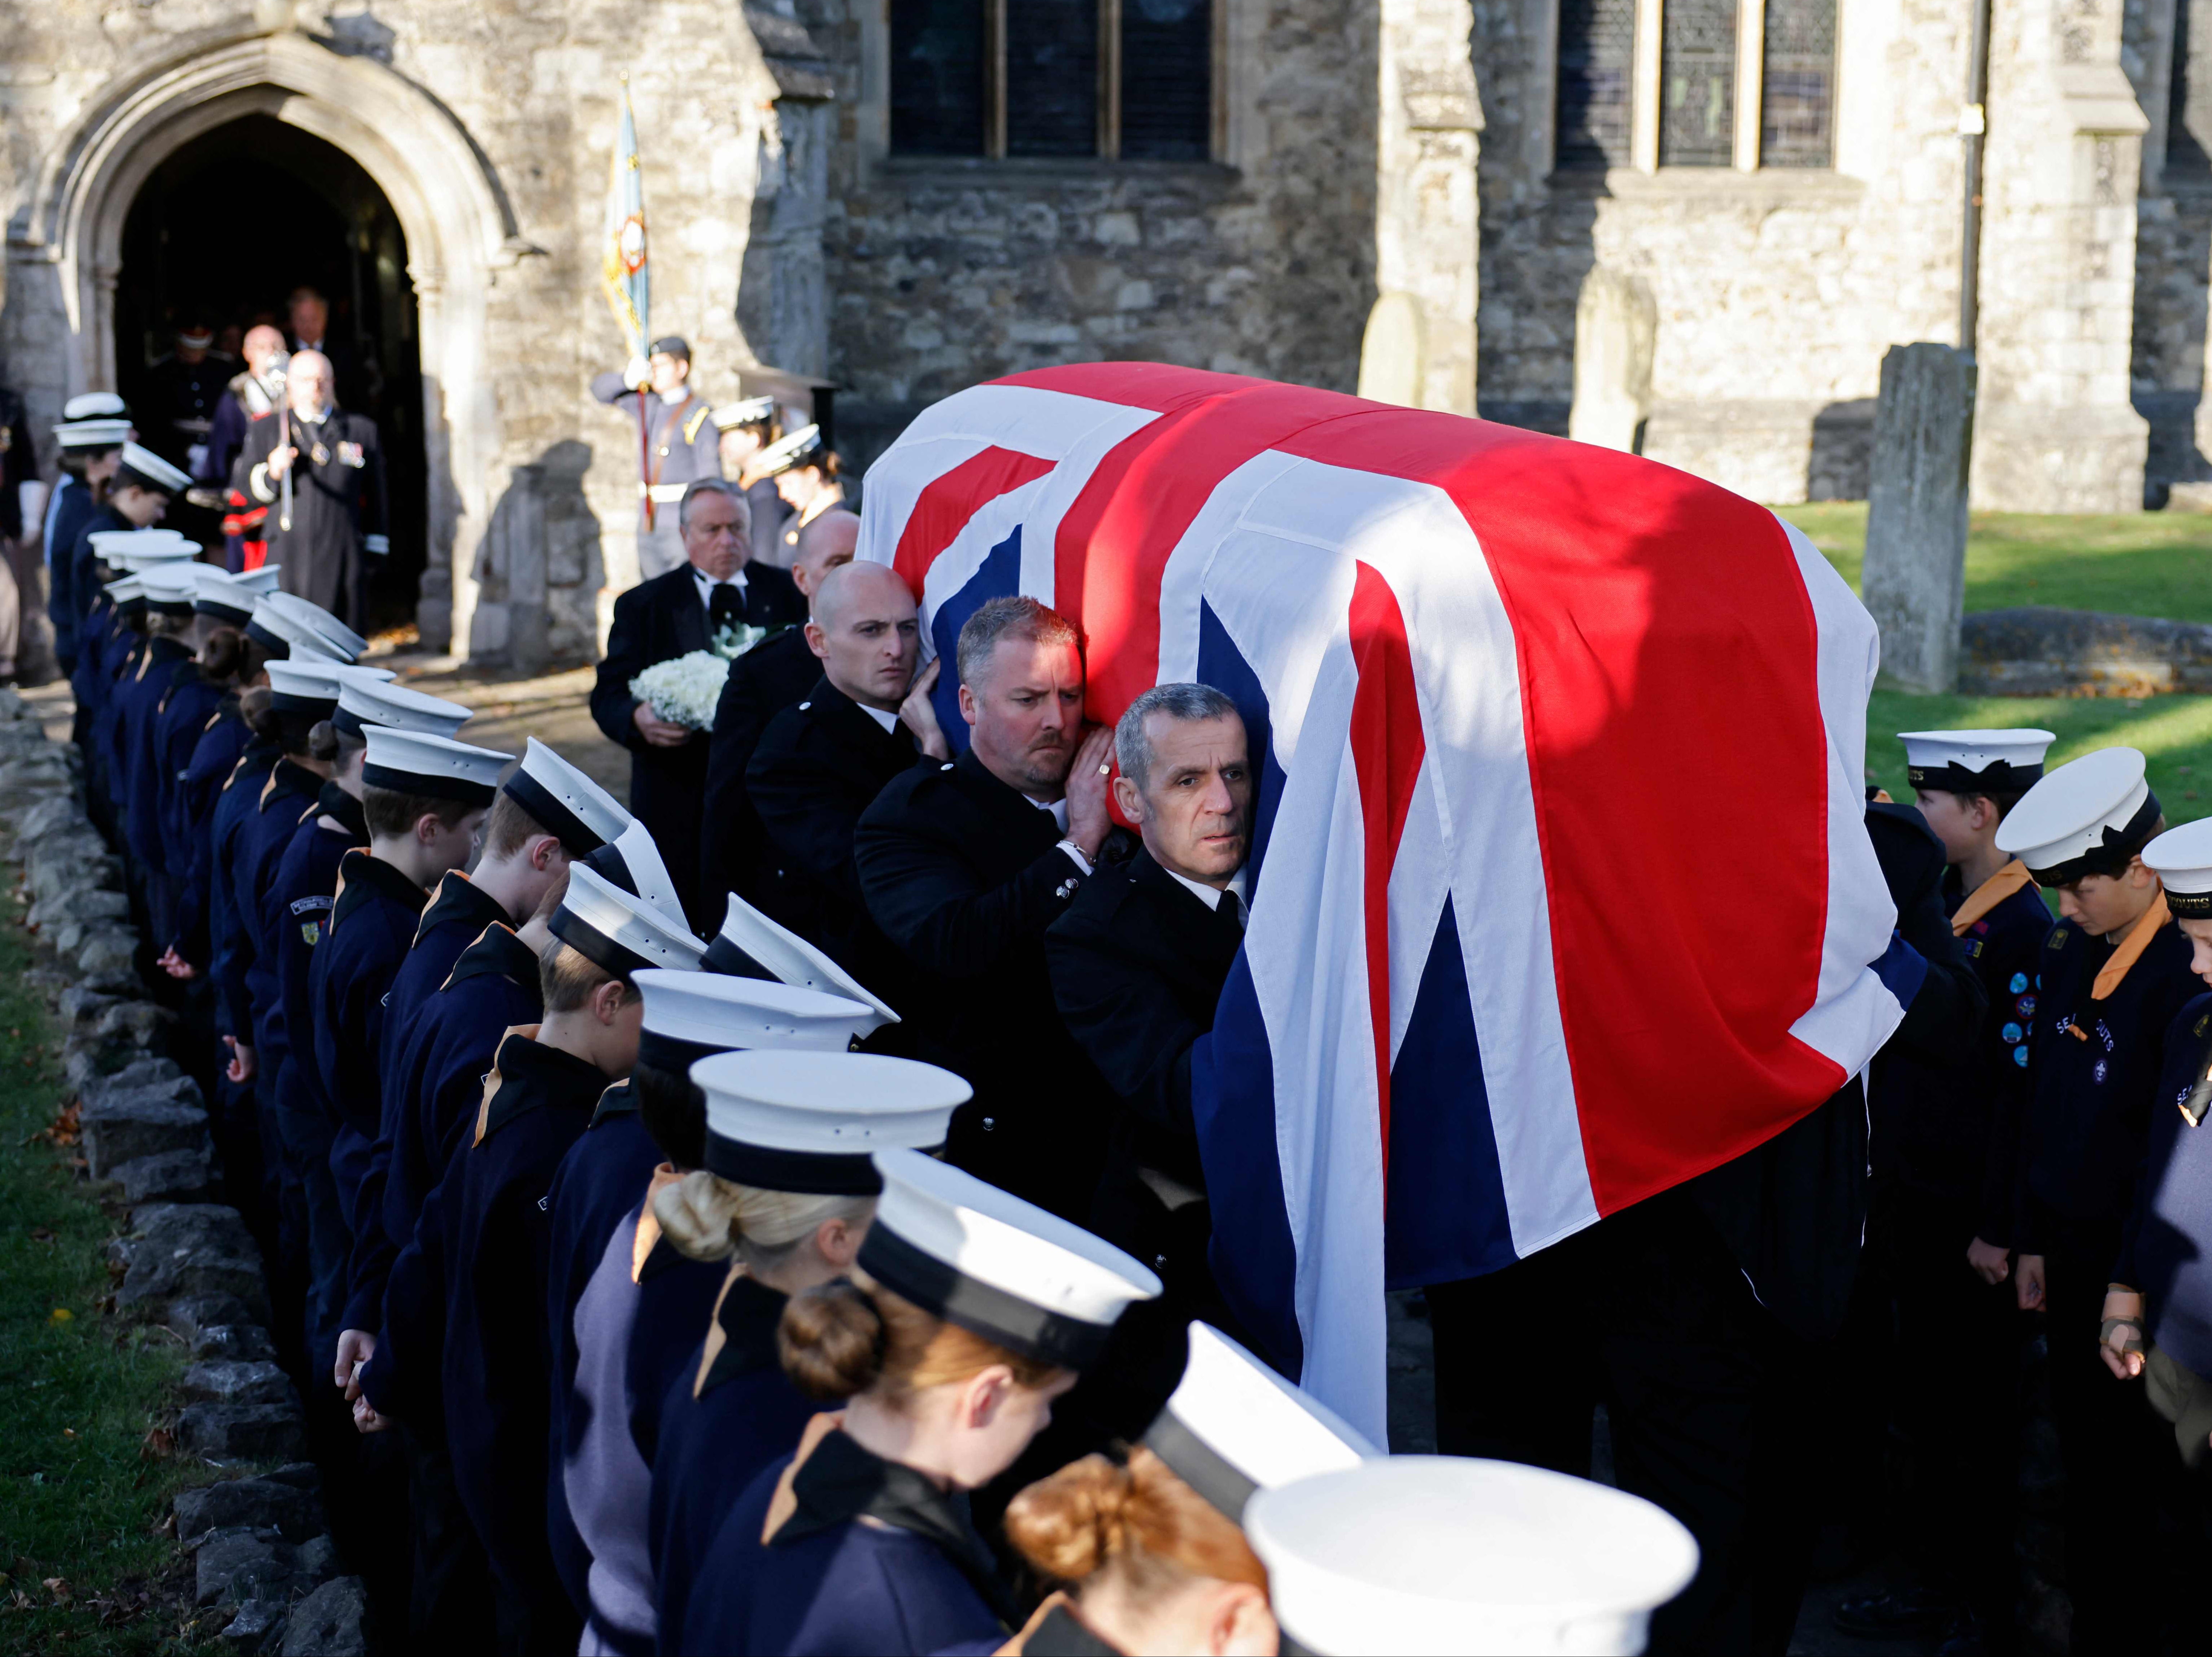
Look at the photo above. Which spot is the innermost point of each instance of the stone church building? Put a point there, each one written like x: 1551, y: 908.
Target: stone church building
x: 1691, y: 226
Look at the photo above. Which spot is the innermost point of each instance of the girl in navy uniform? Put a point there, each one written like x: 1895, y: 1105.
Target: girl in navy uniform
x: 2114, y: 974
x: 786, y: 1194
x: 968, y: 1313
x: 1150, y: 1551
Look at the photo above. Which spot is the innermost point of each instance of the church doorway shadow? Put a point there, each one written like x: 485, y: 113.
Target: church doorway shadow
x: 223, y: 231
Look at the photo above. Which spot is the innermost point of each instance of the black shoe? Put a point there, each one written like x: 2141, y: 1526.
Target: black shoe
x: 1899, y: 1614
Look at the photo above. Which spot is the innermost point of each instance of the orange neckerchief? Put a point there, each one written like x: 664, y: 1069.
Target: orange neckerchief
x: 716, y: 1338
x: 649, y: 1222
x: 1991, y: 892
x: 2131, y: 947
x: 785, y: 1502
x: 1019, y: 1643
x: 494, y: 1081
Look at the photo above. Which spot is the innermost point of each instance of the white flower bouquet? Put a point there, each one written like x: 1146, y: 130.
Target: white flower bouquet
x: 683, y: 689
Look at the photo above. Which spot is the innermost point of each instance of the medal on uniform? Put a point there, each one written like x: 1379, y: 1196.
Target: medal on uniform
x: 322, y: 455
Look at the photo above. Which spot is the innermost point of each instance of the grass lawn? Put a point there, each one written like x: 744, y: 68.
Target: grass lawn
x: 80, y: 1498
x: 2135, y: 564
x: 2146, y: 563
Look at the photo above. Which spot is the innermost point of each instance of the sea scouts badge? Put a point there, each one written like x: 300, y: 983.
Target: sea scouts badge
x: 351, y: 454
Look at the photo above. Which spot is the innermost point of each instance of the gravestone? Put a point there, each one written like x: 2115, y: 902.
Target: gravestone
x: 1914, y: 581
x: 1616, y: 334
x: 1394, y: 350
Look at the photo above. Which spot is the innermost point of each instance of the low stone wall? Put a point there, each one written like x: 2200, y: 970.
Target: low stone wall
x: 2037, y: 651
x: 261, y: 1543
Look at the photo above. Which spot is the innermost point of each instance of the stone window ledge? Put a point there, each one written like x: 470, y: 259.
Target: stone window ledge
x: 1717, y: 186
x: 1024, y: 172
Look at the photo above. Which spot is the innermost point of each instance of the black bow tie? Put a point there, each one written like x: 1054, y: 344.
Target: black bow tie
x: 726, y: 605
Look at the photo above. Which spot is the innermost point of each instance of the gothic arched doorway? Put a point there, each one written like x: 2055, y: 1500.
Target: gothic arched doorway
x: 223, y: 230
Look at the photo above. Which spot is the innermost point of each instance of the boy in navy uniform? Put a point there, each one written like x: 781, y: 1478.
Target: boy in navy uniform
x: 2114, y: 975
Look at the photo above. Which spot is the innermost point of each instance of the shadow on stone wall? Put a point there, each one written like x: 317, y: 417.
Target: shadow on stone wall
x: 539, y: 566
x: 1843, y: 452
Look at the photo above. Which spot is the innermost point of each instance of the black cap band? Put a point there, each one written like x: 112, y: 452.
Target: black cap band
x: 225, y: 612
x: 556, y: 819
x: 727, y: 958
x: 276, y: 644
x: 943, y: 1291
x: 1998, y: 777
x: 414, y: 782
x: 170, y: 606
x: 2111, y: 858
x: 672, y: 1053
x: 595, y: 946
x: 348, y: 723
x: 1199, y: 1464
x: 2189, y: 905
x: 813, y: 1173
x: 286, y: 702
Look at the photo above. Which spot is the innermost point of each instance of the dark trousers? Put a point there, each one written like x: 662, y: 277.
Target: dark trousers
x: 452, y: 1605
x: 1647, y: 1313
x: 1953, y: 1376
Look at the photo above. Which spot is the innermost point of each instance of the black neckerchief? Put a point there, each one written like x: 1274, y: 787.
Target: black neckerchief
x: 363, y: 877
x: 333, y: 802
x: 1059, y: 1635
x: 250, y: 761
x: 842, y: 1482
x: 496, y: 952
x: 460, y: 900
x: 747, y: 1317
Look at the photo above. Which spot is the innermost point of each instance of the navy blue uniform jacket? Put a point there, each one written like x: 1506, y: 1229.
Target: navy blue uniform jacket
x: 202, y: 787
x: 730, y: 1411
x: 188, y: 714
x: 825, y: 1585
x: 371, y: 924
x: 287, y: 798
x: 2167, y: 1248
x: 498, y: 1347
x: 230, y: 930
x: 297, y: 912
x: 964, y: 874
x: 2096, y: 1066
x: 147, y: 770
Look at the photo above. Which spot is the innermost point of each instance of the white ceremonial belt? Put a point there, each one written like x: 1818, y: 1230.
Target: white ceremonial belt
x: 663, y: 491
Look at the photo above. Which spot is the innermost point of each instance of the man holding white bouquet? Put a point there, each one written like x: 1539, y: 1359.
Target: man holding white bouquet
x: 667, y: 653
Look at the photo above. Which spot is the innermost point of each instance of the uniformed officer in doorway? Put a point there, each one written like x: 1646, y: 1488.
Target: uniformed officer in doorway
x: 681, y: 444
x: 745, y: 429
x: 184, y: 389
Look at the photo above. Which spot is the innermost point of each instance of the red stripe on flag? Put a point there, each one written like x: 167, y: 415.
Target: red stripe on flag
x: 1115, y: 538
x: 943, y: 508
x: 1386, y: 749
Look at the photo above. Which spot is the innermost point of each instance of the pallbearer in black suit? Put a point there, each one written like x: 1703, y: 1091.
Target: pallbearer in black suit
x: 2114, y: 975
x: 1151, y: 1549
x: 967, y: 1312
x: 964, y: 865
x: 1943, y: 1149
x: 2158, y: 1312
x: 673, y: 615
x: 822, y: 762
x: 769, y: 677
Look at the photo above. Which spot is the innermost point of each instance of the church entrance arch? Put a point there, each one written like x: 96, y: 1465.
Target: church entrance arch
x: 454, y: 221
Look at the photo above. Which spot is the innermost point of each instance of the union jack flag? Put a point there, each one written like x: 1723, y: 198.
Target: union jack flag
x: 1560, y: 890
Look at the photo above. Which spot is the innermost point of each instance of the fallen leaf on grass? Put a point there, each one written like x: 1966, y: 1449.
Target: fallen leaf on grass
x: 159, y: 1444
x: 61, y: 1314
x: 59, y: 1587
x: 19, y: 1600
x: 64, y: 1129
x: 40, y: 1234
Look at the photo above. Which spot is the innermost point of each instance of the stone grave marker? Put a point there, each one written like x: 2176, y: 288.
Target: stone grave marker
x: 1914, y: 581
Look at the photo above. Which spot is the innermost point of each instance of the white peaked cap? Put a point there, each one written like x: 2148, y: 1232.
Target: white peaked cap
x: 1436, y: 1556
x: 141, y: 465
x: 1233, y: 1426
x: 409, y: 761
x: 2067, y: 825
x: 787, y: 452
x: 565, y: 802
x: 170, y: 583
x: 314, y: 680
x: 221, y: 594
x: 91, y: 433
x: 2183, y: 859
x: 2008, y: 758
x: 742, y: 412
x: 620, y: 933
x: 1001, y: 1268
x: 362, y: 704
x: 689, y: 1014
x: 278, y: 628
x: 95, y: 406
x: 811, y: 1121
x: 133, y: 548
x: 632, y: 861
x: 261, y: 580
x: 752, y: 945
x: 321, y: 620
x: 125, y: 589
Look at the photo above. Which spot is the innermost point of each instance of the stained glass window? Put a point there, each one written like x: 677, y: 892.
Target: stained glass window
x: 937, y: 77
x: 1167, y: 80
x: 1052, y: 77
x: 1697, y: 75
x: 1797, y: 107
x: 1597, y: 63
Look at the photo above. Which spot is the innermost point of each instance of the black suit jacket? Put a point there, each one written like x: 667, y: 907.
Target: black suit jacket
x: 1138, y: 963
x: 820, y: 764
x: 764, y: 682
x: 964, y: 874
x: 654, y: 621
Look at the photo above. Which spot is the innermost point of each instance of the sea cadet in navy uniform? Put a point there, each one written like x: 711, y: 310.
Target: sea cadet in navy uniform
x: 498, y: 1349
x: 138, y: 495
x: 682, y: 444
x: 769, y: 677
x: 2114, y: 975
x: 785, y: 1196
x: 967, y: 1312
x: 94, y: 428
x: 1944, y: 1148
x: 1150, y: 1549
x: 821, y: 764
x: 965, y: 866
x: 167, y: 661
x: 672, y: 615
x: 651, y: 1298
x: 2158, y: 1312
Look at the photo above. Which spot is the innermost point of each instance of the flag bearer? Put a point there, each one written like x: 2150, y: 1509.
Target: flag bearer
x: 2114, y: 975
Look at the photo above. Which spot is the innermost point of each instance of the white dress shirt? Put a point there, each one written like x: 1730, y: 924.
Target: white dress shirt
x: 706, y: 584
x: 1212, y: 895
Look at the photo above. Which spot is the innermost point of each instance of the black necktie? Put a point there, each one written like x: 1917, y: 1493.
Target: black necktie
x: 1229, y: 916
x: 725, y: 606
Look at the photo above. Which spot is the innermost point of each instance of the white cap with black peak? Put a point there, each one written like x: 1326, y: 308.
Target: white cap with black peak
x: 362, y: 704
x: 2090, y: 816
x: 750, y: 946
x: 407, y: 762
x: 2182, y: 858
x: 690, y: 1015
x: 1965, y: 761
x: 811, y: 1121
x: 632, y: 861
x: 142, y: 466
x: 565, y: 802
x: 618, y: 932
